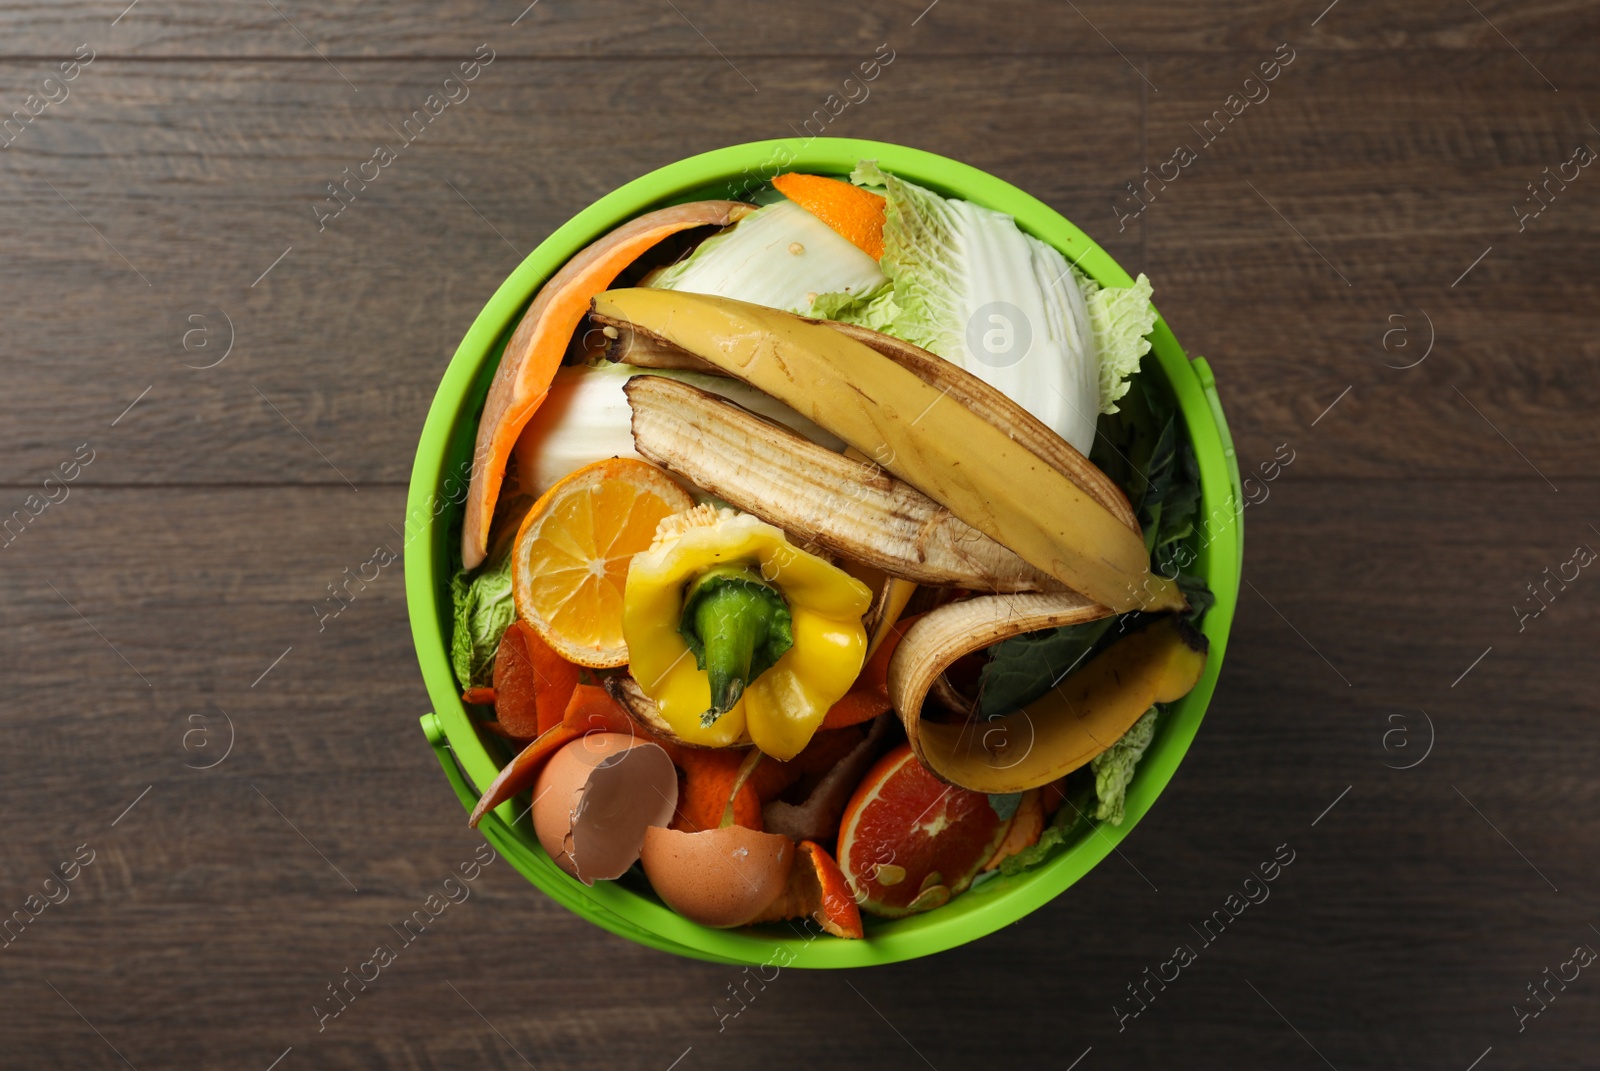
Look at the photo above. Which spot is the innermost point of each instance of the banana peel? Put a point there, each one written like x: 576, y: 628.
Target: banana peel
x: 1059, y: 732
x: 891, y: 602
x: 974, y: 451
x: 825, y: 500
x: 951, y: 453
x: 996, y: 407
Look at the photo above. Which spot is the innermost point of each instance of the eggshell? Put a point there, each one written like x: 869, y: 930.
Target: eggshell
x: 596, y: 798
x: 717, y: 877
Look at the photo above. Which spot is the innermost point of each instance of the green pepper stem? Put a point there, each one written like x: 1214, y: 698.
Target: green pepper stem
x: 737, y: 625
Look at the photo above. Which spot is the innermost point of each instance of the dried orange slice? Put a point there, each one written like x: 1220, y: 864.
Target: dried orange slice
x: 570, y: 562
x: 853, y: 212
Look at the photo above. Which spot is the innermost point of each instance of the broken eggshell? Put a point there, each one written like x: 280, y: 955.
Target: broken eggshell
x: 718, y: 877
x: 596, y: 798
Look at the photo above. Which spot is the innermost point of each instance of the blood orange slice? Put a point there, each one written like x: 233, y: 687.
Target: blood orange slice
x: 909, y: 842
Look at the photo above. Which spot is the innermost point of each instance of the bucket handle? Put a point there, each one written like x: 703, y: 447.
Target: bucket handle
x: 447, y: 759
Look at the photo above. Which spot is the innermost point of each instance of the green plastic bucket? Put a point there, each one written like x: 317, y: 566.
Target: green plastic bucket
x: 433, y: 507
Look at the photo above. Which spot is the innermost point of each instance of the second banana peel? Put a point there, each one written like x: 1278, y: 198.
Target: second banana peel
x: 846, y: 507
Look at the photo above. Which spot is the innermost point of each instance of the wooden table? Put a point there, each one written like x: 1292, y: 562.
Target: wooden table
x: 1354, y: 245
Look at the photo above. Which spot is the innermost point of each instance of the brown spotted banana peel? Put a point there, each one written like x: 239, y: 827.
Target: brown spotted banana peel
x: 781, y: 357
x: 849, y: 508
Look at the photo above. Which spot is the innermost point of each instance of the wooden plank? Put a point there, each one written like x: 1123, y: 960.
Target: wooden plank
x: 701, y: 30
x: 204, y: 176
x: 1318, y: 243
x: 1398, y: 584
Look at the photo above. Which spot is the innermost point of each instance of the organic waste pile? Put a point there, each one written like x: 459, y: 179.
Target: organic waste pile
x: 823, y: 555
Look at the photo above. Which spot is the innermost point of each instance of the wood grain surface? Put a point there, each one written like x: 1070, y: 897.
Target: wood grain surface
x: 1362, y: 214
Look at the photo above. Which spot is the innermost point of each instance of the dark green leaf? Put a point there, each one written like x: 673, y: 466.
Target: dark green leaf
x: 1025, y: 667
x: 1199, y: 595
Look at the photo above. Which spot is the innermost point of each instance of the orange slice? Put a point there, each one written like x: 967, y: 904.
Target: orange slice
x: 570, y: 562
x: 855, y: 213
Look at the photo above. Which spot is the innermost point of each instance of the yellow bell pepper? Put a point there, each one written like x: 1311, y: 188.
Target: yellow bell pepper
x: 732, y: 629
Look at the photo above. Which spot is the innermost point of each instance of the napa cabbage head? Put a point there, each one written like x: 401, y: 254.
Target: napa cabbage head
x: 965, y: 282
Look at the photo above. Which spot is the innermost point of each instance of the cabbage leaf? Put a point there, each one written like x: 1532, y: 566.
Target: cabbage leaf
x: 970, y: 286
x: 484, y: 609
x: 780, y: 256
x: 1113, y: 768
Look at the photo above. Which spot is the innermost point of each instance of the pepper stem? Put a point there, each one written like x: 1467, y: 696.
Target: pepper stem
x: 738, y: 626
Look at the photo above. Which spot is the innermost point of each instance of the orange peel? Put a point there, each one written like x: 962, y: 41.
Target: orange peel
x: 853, y: 212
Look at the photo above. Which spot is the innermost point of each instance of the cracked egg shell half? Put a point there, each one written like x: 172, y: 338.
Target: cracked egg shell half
x: 718, y: 877
x: 595, y: 799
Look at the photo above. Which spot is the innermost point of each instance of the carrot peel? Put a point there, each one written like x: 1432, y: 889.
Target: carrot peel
x: 532, y: 684
x: 592, y: 709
